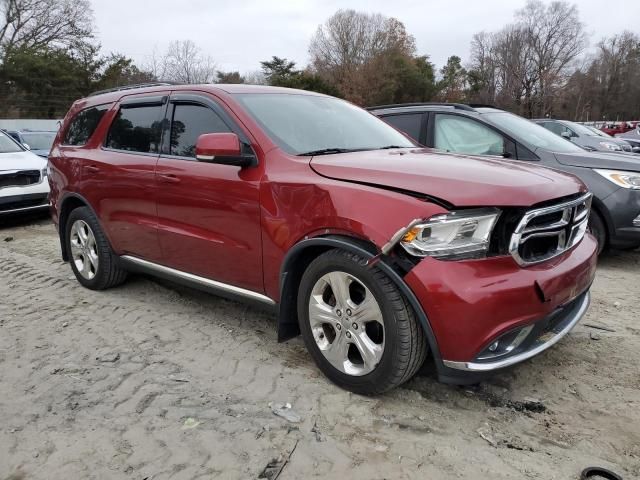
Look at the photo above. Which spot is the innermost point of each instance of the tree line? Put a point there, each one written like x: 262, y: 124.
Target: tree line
x: 538, y: 65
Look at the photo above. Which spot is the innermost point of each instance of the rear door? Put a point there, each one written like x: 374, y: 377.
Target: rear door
x: 208, y: 214
x: 118, y: 177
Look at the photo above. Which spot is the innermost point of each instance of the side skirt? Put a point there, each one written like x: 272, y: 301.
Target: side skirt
x: 189, y: 279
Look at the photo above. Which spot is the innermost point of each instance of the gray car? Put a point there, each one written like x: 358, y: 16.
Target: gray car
x: 632, y: 137
x: 613, y: 178
x: 584, y: 136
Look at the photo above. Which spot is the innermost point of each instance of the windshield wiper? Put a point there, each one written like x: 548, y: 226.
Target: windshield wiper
x: 388, y: 147
x: 326, y: 151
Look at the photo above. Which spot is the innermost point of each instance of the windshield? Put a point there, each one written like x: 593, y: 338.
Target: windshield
x: 524, y: 130
x: 8, y: 145
x: 302, y: 124
x: 39, y: 140
x: 599, y: 132
x: 580, y: 129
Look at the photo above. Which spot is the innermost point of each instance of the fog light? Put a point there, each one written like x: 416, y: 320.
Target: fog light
x: 636, y: 221
x: 506, y: 344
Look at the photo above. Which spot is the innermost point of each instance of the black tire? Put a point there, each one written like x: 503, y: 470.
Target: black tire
x: 405, y: 344
x: 598, y: 229
x: 107, y: 274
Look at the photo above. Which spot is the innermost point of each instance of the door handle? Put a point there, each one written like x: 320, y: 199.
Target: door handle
x: 91, y: 169
x: 169, y: 178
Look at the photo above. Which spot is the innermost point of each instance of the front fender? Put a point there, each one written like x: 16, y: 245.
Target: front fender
x: 291, y: 273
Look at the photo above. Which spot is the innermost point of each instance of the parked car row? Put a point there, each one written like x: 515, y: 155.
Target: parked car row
x: 379, y: 252
x: 589, y: 138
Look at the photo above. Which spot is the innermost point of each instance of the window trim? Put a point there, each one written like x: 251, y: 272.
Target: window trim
x: 108, y: 106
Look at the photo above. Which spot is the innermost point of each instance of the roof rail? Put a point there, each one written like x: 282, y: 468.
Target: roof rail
x: 132, y: 87
x: 483, y: 105
x: 458, y: 106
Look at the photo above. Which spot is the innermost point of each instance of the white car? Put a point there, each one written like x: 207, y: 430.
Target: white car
x: 23, y: 178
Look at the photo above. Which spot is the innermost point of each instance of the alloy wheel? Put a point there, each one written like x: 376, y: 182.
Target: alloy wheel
x: 84, y: 249
x: 347, y: 323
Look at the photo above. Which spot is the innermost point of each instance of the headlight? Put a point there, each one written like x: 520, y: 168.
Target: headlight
x: 621, y: 178
x: 454, y: 235
x: 611, y: 146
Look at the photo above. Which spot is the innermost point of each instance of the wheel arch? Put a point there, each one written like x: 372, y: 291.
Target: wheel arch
x: 304, y: 252
x: 69, y: 203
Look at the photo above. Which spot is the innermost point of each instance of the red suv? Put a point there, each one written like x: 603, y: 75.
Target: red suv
x: 379, y: 252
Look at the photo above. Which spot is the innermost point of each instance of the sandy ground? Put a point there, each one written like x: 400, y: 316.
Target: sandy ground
x: 149, y: 380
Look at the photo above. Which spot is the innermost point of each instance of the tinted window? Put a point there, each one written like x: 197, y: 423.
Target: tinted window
x: 83, y: 125
x: 189, y: 122
x: 458, y: 134
x: 136, y: 129
x: 408, y: 123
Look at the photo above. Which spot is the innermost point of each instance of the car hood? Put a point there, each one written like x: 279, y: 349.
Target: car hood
x: 454, y: 179
x: 610, y: 161
x: 41, y: 153
x: 21, y: 161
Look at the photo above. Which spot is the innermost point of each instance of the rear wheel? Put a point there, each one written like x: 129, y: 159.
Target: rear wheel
x: 92, y: 261
x: 357, y: 325
x: 598, y: 229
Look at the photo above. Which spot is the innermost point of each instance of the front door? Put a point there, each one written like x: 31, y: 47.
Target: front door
x: 208, y: 214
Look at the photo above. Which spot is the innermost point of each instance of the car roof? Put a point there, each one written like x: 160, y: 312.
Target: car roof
x: 432, y: 106
x: 115, y: 94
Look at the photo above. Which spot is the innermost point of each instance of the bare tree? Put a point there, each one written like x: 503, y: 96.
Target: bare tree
x: 36, y: 24
x: 528, y: 62
x: 183, y: 62
x: 355, y: 52
x: 556, y: 38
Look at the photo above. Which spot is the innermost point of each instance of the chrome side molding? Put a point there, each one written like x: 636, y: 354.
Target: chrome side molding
x: 195, y: 279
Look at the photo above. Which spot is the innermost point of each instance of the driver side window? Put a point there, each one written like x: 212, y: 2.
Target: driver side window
x: 454, y: 133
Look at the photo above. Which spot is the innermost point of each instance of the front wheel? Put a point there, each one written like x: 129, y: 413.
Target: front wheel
x: 357, y: 325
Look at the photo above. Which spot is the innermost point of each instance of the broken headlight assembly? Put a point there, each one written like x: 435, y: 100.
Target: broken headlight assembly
x: 452, y: 236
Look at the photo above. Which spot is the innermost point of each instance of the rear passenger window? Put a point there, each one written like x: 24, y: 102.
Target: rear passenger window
x: 136, y: 129
x: 408, y: 123
x: 83, y: 125
x: 189, y: 122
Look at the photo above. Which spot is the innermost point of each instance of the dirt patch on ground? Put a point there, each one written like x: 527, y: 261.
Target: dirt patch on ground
x: 149, y: 380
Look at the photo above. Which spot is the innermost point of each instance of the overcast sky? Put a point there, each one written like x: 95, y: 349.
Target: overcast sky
x: 239, y: 34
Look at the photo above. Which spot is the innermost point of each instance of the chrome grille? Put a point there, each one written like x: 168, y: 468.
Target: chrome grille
x: 547, y: 232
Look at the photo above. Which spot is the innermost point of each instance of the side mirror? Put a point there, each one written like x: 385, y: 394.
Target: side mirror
x: 222, y: 148
x: 566, y: 135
